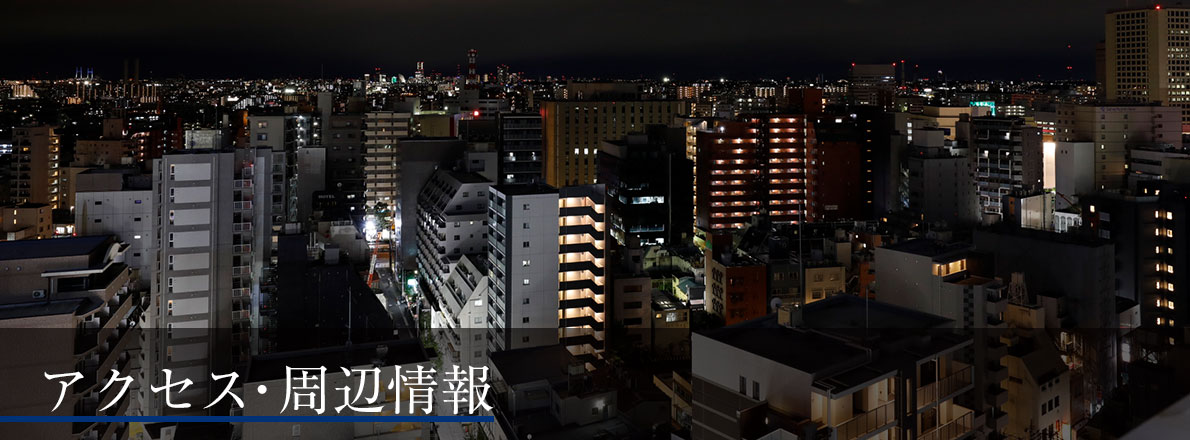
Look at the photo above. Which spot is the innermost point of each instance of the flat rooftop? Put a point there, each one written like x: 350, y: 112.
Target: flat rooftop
x: 531, y: 364
x: 52, y: 248
x: 518, y: 189
x: 930, y: 248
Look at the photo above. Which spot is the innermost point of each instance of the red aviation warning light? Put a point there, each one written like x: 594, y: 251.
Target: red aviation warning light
x: 475, y: 114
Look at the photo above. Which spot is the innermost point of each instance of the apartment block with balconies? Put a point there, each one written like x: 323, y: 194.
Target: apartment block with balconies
x: 214, y: 241
x: 67, y: 307
x: 877, y: 372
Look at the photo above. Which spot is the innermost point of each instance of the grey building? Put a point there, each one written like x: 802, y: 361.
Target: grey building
x: 120, y: 203
x: 1007, y: 159
x: 213, y: 251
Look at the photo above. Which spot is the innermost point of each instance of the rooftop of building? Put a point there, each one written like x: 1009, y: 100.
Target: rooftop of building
x: 1041, y: 359
x: 1040, y: 235
x: 664, y: 301
x: 54, y: 247
x: 71, y: 306
x: 834, y: 330
x: 520, y: 189
x: 27, y: 205
x: 525, y: 365
x: 466, y: 176
x: 930, y: 248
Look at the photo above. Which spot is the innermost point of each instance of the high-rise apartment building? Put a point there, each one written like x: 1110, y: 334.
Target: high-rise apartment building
x: 520, y: 148
x: 1143, y: 58
x: 452, y: 214
x: 872, y: 84
x: 939, y: 181
x: 753, y: 165
x: 345, y: 159
x: 35, y: 162
x: 546, y: 256
x: 1115, y: 129
x: 213, y: 247
x: 574, y: 130
x: 284, y: 135
x: 1146, y: 227
x: 1007, y: 156
x: 382, y: 163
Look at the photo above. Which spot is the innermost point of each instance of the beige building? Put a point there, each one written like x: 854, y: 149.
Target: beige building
x: 66, y: 307
x: 575, y: 130
x: 932, y: 116
x: 1038, y: 382
x: 382, y: 170
x: 1144, y: 57
x: 1114, y: 130
x: 35, y: 165
x: 26, y: 221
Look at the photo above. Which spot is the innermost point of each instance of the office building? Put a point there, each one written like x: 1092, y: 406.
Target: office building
x: 574, y: 130
x: 520, y: 148
x: 1007, y: 156
x: 940, y: 187
x: 1142, y: 61
x: 113, y: 148
x: 1113, y: 130
x: 213, y: 247
x: 872, y: 84
x: 35, y: 166
x: 72, y: 298
x: 345, y: 159
x: 649, y: 186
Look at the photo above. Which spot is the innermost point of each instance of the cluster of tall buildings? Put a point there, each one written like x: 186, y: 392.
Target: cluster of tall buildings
x: 889, y: 255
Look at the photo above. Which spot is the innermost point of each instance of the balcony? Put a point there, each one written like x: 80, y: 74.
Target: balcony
x: 241, y: 270
x: 945, y: 388
x: 240, y: 315
x: 878, y: 419
x: 242, y: 183
x: 953, y: 429
x: 242, y: 206
x: 242, y: 227
x: 241, y: 249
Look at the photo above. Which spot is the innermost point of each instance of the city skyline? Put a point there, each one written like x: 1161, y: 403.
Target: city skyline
x: 624, y: 39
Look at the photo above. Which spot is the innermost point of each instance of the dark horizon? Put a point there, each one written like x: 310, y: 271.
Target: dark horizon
x: 696, y: 40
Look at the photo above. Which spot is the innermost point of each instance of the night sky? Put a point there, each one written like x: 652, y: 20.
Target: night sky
x: 1001, y: 39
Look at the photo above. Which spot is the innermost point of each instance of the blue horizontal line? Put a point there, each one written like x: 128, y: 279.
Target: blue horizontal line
x: 240, y: 419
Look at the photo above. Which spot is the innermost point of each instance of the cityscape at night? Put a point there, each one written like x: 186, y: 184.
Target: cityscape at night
x: 650, y: 220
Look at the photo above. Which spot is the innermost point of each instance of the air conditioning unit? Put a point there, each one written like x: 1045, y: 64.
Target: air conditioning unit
x: 39, y: 294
